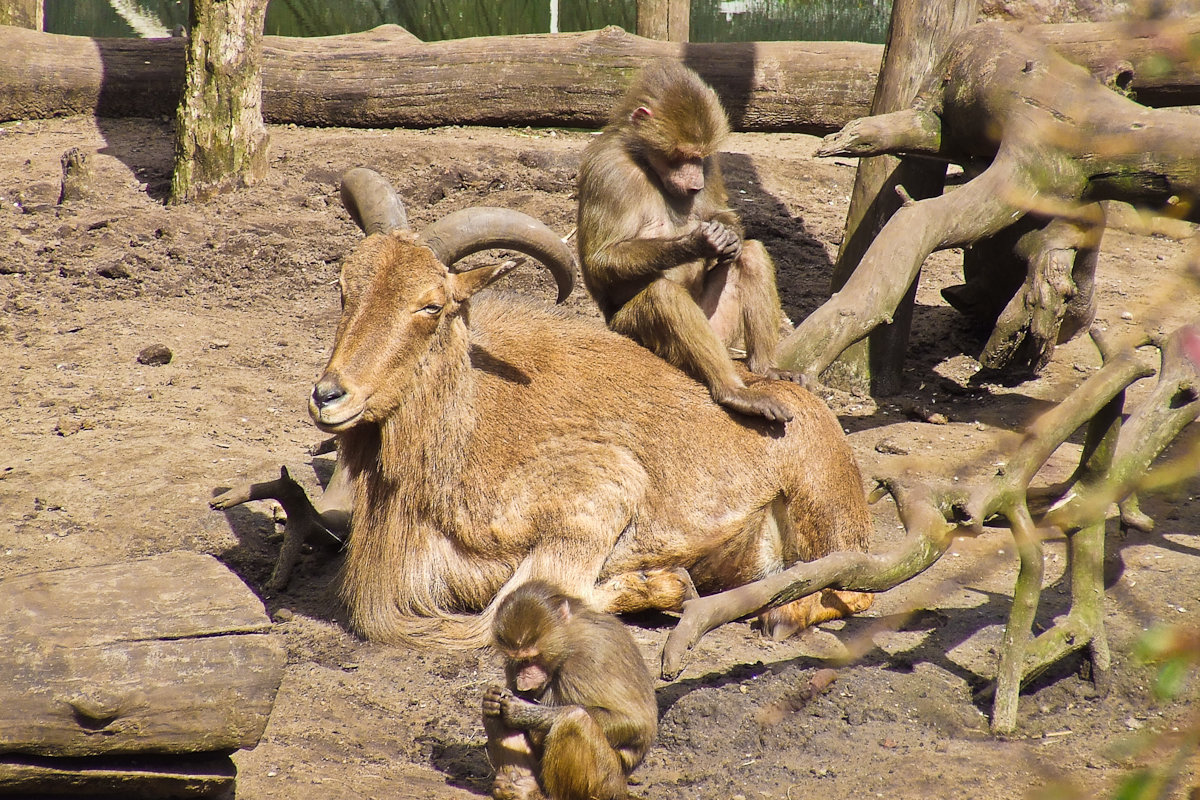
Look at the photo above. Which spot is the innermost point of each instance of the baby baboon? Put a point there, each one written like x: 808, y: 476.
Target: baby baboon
x: 578, y: 713
x: 661, y: 251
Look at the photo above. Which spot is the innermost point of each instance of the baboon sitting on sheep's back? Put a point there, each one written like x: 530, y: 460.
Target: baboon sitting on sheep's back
x: 662, y: 252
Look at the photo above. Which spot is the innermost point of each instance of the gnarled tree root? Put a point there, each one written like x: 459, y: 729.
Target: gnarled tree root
x: 1055, y: 140
x: 1114, y: 463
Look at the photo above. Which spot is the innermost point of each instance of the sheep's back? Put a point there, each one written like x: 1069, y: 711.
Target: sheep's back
x: 559, y: 372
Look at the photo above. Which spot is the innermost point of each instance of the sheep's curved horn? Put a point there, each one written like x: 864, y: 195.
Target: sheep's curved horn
x: 372, y: 201
x: 457, y: 235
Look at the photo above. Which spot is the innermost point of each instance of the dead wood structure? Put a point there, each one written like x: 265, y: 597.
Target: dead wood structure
x: 386, y: 78
x: 220, y: 139
x: 135, y: 679
x: 919, y: 34
x: 1115, y: 463
x: 1045, y: 141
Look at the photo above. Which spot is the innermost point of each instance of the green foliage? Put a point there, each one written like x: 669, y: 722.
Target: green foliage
x: 1176, y: 650
x: 1140, y: 785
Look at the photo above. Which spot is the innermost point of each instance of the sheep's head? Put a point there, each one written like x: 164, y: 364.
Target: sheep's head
x: 399, y: 291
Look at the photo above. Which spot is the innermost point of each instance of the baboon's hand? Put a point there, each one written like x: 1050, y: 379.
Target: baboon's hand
x: 523, y: 715
x: 719, y: 241
x: 493, y: 700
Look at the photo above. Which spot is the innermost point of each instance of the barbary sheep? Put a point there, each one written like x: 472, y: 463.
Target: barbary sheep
x: 487, y: 440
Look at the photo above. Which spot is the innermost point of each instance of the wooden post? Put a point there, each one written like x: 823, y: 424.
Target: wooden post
x: 919, y: 33
x: 668, y: 20
x: 220, y: 138
x: 22, y: 13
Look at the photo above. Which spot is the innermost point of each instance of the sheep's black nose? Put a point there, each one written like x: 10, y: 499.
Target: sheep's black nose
x: 327, y: 391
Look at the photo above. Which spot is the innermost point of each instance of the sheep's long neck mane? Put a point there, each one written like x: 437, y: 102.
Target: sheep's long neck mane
x: 409, y: 492
x: 423, y: 443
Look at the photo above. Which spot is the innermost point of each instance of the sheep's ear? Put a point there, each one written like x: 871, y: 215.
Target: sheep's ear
x: 464, y: 284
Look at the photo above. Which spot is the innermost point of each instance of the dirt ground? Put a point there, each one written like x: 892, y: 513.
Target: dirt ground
x: 104, y: 459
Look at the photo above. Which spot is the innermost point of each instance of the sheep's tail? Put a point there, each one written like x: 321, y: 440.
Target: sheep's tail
x: 441, y: 629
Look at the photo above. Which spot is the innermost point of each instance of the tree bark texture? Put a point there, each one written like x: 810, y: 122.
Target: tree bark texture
x: 386, y: 78
x: 22, y: 13
x: 919, y: 33
x: 170, y: 654
x: 1054, y: 141
x: 220, y: 139
x: 668, y: 20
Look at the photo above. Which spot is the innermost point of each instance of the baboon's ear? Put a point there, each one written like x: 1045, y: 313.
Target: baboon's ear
x: 564, y: 610
x: 465, y: 284
x: 640, y: 113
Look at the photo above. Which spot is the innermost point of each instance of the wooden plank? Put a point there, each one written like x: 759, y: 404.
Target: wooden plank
x: 144, y: 776
x: 165, y: 654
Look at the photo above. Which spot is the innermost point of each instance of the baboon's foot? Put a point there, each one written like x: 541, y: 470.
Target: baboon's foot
x: 791, y: 376
x: 515, y: 783
x: 646, y: 590
x: 754, y: 402
x: 780, y: 623
x: 762, y: 365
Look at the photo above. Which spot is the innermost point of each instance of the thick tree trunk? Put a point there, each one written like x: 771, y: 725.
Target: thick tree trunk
x: 220, y: 138
x: 386, y: 78
x: 919, y: 33
x: 22, y: 13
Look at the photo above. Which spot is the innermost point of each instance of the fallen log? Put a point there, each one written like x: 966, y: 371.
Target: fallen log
x: 141, y: 676
x: 387, y: 78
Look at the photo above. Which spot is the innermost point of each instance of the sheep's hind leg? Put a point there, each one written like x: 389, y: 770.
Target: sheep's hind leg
x: 304, y: 522
x: 780, y: 623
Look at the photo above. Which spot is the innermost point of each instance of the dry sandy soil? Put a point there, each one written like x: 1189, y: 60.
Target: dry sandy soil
x: 103, y: 459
